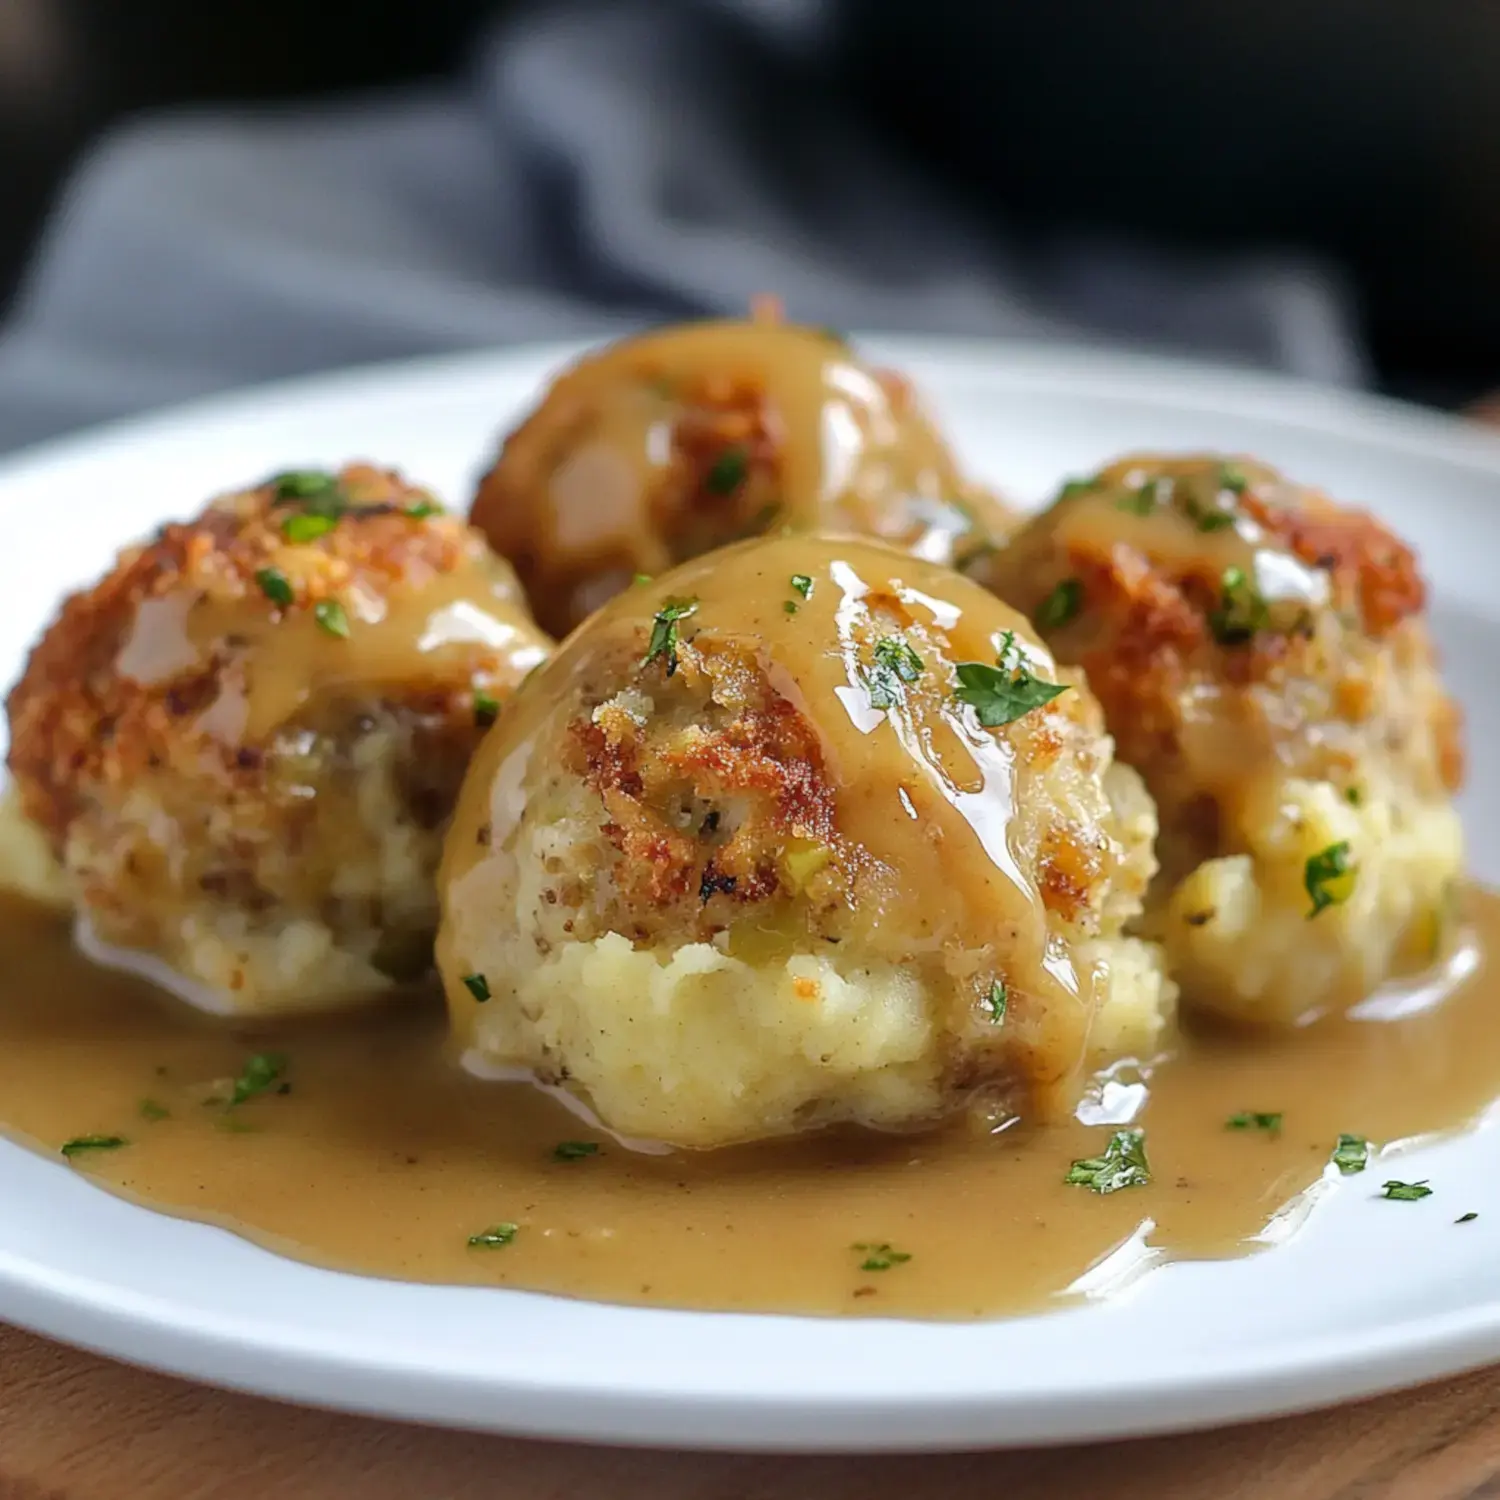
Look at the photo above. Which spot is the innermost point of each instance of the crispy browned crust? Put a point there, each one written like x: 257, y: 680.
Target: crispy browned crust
x: 1145, y: 632
x: 1370, y: 569
x: 76, y: 723
x: 764, y: 758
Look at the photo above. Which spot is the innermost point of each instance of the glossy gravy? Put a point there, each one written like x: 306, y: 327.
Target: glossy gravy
x: 382, y: 1158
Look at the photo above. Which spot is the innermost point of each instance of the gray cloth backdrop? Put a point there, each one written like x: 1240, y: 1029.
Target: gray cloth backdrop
x: 599, y: 166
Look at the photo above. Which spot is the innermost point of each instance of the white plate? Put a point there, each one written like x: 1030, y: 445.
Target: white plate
x: 1361, y: 1300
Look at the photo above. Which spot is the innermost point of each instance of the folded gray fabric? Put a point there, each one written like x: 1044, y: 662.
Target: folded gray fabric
x: 603, y: 165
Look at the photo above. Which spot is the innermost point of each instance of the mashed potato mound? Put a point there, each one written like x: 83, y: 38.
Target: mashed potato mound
x: 242, y: 746
x: 772, y: 888
x: 1263, y: 661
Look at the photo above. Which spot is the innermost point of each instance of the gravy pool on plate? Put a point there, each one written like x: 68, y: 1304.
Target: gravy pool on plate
x: 927, y: 858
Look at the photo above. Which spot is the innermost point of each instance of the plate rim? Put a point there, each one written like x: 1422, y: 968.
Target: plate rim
x: 1292, y: 1376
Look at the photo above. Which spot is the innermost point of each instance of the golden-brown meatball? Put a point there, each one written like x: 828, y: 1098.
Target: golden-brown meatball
x: 244, y: 743
x: 806, y: 831
x: 1263, y: 662
x: 656, y: 449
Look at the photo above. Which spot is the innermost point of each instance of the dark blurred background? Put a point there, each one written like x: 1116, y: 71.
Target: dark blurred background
x: 1365, y: 130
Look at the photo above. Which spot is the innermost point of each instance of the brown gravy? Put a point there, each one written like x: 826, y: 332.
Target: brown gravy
x: 384, y: 1159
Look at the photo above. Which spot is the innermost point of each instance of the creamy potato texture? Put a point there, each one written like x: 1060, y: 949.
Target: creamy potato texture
x: 659, y: 448
x: 809, y: 831
x: 1263, y: 660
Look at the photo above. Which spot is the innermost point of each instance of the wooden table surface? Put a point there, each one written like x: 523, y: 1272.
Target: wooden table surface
x: 75, y: 1427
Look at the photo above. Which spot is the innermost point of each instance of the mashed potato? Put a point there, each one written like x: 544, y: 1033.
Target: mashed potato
x: 659, y: 448
x: 1262, y: 659
x: 808, y: 832
x: 242, y: 746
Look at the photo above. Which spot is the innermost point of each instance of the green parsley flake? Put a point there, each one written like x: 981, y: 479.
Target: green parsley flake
x: 1123, y: 1165
x: 1353, y: 796
x: 996, y: 1001
x: 1145, y: 500
x: 1351, y: 1155
x: 303, y: 484
x: 895, y: 663
x: 1328, y: 877
x: 1061, y: 605
x: 803, y: 584
x: 789, y: 606
x: 664, y: 638
x: 82, y: 1143
x: 1233, y: 478
x: 332, y: 618
x: 274, y: 585
x: 422, y: 509
x: 486, y: 708
x: 305, y: 527
x: 1241, y: 610
x: 728, y: 471
x: 575, y: 1150
x: 260, y: 1073
x: 880, y: 1257
x: 641, y: 578
x: 151, y: 1110
x: 1406, y: 1192
x: 1252, y: 1119
x: 1467, y: 1218
x: 1005, y: 692
x: 478, y: 986
x: 1075, y: 487
x: 493, y: 1238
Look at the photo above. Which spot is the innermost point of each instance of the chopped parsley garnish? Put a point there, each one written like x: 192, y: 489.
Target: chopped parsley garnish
x: 895, y: 663
x: 1254, y: 1119
x: 1351, y: 1155
x: 422, y: 509
x: 275, y: 586
x: 1143, y: 501
x: 728, y: 471
x: 494, y: 1237
x: 1207, y: 517
x: 82, y: 1143
x: 1233, y: 478
x: 1123, y: 1165
x: 1328, y: 877
x: 641, y: 578
x: 789, y: 606
x: 1353, y: 796
x: 1406, y: 1192
x: 261, y: 1073
x: 151, y: 1110
x: 1005, y: 692
x: 478, y: 986
x: 664, y: 639
x: 331, y: 617
x: 1061, y: 605
x: 996, y: 1001
x: 803, y: 584
x: 486, y: 708
x: 575, y: 1150
x: 1467, y: 1218
x: 1077, y: 487
x: 1241, y: 611
x: 880, y: 1257
x: 304, y: 484
x: 306, y: 527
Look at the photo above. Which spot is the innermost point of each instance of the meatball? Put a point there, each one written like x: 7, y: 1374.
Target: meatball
x: 656, y: 449
x: 806, y: 832
x: 1263, y: 661
x: 245, y: 742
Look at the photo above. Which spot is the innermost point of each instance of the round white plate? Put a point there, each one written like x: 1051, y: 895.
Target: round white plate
x: 1362, y: 1299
